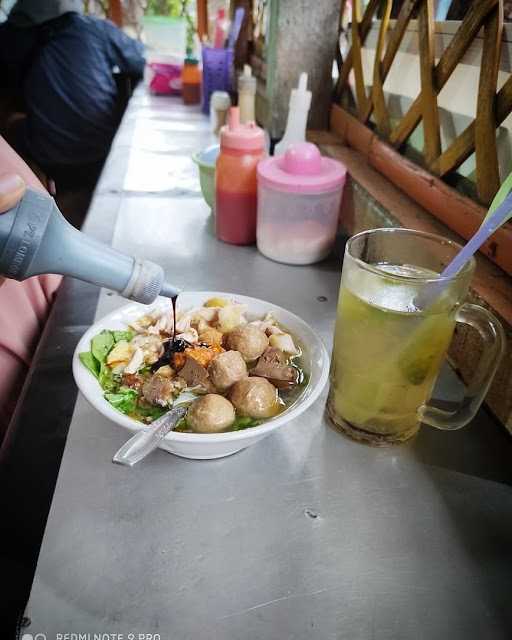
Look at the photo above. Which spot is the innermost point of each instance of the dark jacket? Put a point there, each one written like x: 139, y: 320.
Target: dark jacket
x: 66, y: 69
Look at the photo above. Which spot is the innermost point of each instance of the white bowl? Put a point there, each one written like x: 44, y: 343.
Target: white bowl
x: 214, y: 445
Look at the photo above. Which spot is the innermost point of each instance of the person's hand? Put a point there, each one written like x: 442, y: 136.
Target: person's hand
x: 15, y: 176
x: 12, y: 188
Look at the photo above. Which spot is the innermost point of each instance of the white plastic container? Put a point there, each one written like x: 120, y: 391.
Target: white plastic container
x: 299, y: 197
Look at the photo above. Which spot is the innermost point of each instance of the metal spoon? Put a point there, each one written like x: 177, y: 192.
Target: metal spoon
x: 147, y: 439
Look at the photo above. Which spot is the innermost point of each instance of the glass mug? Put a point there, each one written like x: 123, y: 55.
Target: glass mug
x: 388, y: 351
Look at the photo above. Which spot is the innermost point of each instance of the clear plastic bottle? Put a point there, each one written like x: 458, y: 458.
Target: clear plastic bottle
x: 242, y: 146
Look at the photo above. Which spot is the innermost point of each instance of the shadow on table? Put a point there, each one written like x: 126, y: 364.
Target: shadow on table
x: 335, y: 260
x: 480, y: 512
x: 470, y: 472
x: 482, y: 449
x: 331, y: 264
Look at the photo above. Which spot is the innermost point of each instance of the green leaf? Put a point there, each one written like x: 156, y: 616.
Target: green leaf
x: 89, y: 361
x: 182, y: 425
x: 150, y: 411
x: 243, y: 422
x: 125, y: 400
x: 122, y: 335
x: 144, y: 370
x: 106, y: 378
x: 101, y: 345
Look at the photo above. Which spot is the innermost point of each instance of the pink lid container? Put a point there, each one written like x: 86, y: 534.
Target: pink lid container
x: 302, y: 169
x: 242, y: 137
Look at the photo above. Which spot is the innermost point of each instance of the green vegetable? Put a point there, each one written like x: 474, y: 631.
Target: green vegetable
x: 243, y: 422
x: 101, y: 345
x: 150, y: 411
x: 122, y: 335
x: 144, y: 370
x: 89, y: 361
x: 106, y: 378
x: 125, y: 400
x: 182, y: 425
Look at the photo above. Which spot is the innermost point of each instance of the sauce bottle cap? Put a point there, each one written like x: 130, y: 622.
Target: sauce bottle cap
x: 302, y: 169
x: 243, y: 137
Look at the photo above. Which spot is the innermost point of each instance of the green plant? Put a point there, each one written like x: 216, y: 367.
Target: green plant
x: 172, y: 8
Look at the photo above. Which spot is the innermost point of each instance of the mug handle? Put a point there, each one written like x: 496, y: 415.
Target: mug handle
x: 493, y: 338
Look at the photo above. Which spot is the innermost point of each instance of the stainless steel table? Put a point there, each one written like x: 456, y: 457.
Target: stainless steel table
x: 305, y: 535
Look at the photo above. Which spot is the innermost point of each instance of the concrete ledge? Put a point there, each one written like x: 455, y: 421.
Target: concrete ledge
x: 371, y: 200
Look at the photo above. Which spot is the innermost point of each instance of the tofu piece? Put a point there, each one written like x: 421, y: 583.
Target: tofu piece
x: 231, y: 317
x: 284, y: 342
x: 120, y: 354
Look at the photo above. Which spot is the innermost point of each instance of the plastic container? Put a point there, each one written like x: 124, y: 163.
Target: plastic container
x: 247, y: 95
x: 218, y: 63
x: 241, y: 148
x: 300, y: 101
x: 299, y: 196
x: 191, y: 81
x: 206, y: 161
x: 219, y: 107
x: 217, y: 73
x: 164, y: 78
x: 35, y: 238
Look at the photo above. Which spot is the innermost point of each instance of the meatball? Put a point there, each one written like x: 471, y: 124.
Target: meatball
x: 250, y: 341
x: 210, y: 414
x: 226, y: 369
x: 255, y: 397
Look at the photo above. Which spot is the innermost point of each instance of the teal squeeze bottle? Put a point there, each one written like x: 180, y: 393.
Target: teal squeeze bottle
x: 35, y: 238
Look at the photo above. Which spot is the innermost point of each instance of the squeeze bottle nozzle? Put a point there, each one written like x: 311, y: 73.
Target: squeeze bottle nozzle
x: 233, y: 118
x: 300, y: 102
x: 246, y: 95
x: 35, y: 238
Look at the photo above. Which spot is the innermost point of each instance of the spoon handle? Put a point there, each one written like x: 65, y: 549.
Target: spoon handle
x: 147, y: 439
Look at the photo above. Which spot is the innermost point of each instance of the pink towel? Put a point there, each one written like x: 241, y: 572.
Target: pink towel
x: 24, y: 308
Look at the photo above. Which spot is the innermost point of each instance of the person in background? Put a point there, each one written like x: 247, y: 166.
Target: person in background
x: 63, y: 63
x: 24, y: 306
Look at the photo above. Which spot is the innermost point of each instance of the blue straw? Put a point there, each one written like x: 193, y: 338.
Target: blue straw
x: 489, y: 226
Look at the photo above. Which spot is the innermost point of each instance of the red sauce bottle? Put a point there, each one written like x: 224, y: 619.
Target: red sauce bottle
x: 242, y: 146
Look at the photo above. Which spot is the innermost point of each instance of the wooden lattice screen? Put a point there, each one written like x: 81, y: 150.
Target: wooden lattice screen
x: 492, y: 106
